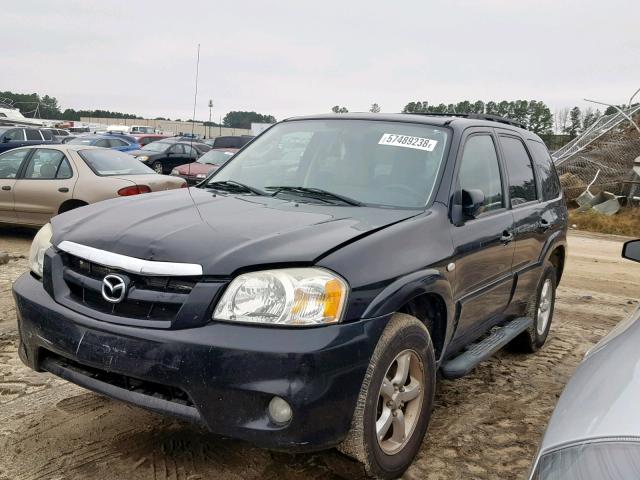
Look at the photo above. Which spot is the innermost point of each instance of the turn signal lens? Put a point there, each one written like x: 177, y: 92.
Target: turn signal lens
x: 134, y: 190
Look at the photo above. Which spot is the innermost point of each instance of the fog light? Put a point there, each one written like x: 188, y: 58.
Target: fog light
x: 279, y: 411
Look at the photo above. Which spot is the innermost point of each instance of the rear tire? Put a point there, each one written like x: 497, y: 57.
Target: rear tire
x: 541, y: 308
x: 157, y: 167
x: 395, y: 401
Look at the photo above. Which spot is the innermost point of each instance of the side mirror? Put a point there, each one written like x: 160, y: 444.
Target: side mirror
x: 472, y: 202
x: 631, y: 250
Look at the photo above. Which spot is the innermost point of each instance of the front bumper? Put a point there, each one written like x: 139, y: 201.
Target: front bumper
x: 229, y: 373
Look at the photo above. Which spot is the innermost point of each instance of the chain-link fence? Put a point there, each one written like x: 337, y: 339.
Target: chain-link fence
x: 608, y: 147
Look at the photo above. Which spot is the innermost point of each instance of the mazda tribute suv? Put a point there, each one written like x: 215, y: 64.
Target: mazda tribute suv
x: 305, y: 294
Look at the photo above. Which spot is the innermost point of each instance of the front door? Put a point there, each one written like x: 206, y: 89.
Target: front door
x: 45, y: 183
x: 483, y: 244
x: 10, y: 163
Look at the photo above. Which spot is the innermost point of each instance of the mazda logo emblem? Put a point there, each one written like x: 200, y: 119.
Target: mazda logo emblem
x: 114, y: 288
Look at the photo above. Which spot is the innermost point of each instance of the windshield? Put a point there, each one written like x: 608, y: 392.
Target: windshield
x: 370, y: 162
x: 611, y: 460
x: 111, y: 162
x: 215, y: 158
x: 157, y: 146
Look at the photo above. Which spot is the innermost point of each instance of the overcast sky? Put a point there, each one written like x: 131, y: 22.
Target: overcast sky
x: 299, y: 57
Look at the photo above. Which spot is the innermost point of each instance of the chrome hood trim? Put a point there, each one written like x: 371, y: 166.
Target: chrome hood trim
x: 130, y: 264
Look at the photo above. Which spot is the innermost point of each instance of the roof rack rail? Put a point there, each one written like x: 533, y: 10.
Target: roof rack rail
x: 476, y: 116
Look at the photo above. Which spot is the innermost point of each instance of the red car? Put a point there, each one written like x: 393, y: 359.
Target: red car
x: 144, y: 139
x: 197, y: 171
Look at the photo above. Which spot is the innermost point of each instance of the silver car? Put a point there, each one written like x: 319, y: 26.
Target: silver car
x: 594, y: 433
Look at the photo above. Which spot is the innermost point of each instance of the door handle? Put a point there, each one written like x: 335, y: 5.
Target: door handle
x: 507, y: 237
x: 63, y: 189
x: 6, y: 187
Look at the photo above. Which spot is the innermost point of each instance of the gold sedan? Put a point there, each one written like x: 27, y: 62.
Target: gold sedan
x: 41, y: 181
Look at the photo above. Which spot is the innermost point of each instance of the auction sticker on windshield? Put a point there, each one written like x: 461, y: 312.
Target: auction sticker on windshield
x: 408, y: 141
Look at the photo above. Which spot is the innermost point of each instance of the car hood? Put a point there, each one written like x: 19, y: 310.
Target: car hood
x: 194, y: 168
x: 601, y: 399
x: 223, y: 233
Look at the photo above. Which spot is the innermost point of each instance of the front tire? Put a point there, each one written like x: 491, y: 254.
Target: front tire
x: 541, y: 308
x: 157, y: 167
x: 395, y: 401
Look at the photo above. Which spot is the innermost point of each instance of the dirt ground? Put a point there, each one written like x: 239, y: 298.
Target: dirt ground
x: 485, y: 426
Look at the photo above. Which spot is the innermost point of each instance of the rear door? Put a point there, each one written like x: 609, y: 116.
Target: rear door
x: 46, y: 181
x: 530, y: 222
x: 177, y: 156
x: 483, y: 246
x: 10, y: 163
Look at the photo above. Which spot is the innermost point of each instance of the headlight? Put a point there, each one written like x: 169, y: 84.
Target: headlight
x: 175, y: 172
x: 143, y: 158
x: 201, y: 175
x: 41, y: 242
x: 289, y: 296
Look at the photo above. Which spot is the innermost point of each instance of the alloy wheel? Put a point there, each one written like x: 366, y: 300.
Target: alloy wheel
x: 544, y: 306
x: 399, y: 402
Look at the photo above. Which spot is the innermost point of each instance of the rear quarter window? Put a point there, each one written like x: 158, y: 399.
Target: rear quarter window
x: 548, y: 177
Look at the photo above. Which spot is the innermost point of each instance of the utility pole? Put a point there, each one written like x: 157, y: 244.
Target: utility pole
x: 210, y: 107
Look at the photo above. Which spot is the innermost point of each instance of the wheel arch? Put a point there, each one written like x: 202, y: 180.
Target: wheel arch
x: 426, y: 295
x: 71, y: 204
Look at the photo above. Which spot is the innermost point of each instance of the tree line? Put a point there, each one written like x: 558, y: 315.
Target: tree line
x: 35, y: 106
x: 535, y: 115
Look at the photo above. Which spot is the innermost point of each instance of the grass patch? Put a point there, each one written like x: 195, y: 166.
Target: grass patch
x: 625, y: 222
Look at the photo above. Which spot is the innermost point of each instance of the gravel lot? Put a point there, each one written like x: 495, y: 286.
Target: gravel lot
x: 485, y: 426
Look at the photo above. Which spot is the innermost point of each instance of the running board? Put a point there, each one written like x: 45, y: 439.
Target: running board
x: 465, y: 362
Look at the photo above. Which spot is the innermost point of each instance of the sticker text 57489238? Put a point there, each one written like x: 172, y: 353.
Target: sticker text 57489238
x: 408, y: 141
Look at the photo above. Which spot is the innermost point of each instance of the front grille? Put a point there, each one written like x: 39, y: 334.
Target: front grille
x: 156, y: 298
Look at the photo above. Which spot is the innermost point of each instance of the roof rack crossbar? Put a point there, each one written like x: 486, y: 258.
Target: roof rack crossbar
x: 476, y: 116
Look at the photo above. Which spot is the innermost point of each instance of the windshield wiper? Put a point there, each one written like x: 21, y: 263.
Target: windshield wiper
x: 232, y: 186
x: 316, y: 193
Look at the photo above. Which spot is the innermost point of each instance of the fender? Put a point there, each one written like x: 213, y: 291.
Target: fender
x: 406, y: 288
x: 554, y: 240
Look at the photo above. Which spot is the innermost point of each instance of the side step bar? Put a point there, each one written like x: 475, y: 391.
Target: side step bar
x: 465, y: 362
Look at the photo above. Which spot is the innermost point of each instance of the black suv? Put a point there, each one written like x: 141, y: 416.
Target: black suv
x: 14, y: 137
x: 306, y: 293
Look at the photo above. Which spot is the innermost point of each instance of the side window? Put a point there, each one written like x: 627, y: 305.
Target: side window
x: 33, y: 134
x: 116, y: 142
x: 103, y: 142
x: 177, y: 149
x: 64, y: 170
x: 47, y: 164
x: 547, y: 176
x: 522, y: 183
x: 189, y: 150
x: 479, y: 170
x: 47, y: 134
x: 15, y: 135
x: 10, y: 162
